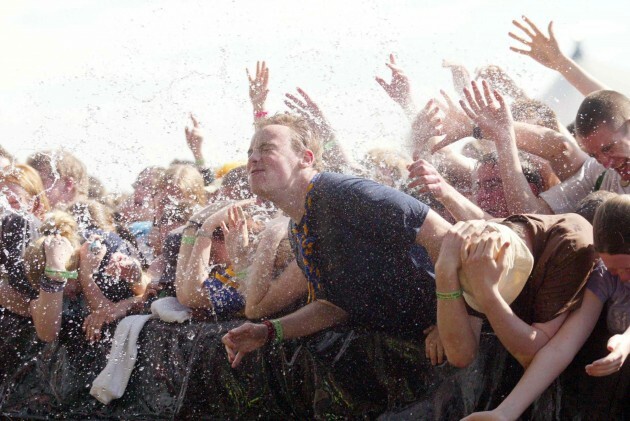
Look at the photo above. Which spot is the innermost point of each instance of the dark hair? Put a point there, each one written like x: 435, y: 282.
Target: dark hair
x: 530, y: 109
x: 599, y: 108
x: 532, y: 174
x: 589, y: 205
x: 611, y: 226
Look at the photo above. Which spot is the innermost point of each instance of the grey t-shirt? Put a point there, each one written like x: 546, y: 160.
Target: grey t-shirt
x: 615, y: 295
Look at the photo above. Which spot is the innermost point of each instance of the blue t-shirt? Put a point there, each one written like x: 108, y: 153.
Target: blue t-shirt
x: 615, y: 295
x: 362, y: 255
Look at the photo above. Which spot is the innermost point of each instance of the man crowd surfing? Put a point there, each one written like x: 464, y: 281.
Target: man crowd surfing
x: 491, y: 217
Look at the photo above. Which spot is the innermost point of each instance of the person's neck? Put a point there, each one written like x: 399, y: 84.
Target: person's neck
x: 292, y: 201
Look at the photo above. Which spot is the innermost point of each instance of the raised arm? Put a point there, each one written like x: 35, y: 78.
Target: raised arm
x: 459, y: 73
x: 265, y: 295
x: 399, y: 89
x: 47, y: 307
x: 258, y: 89
x: 545, y: 50
x: 493, y: 117
x: 549, y: 362
x: 428, y: 179
x: 334, y: 156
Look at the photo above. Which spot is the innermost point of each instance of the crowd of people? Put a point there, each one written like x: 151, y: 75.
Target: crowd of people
x: 491, y: 214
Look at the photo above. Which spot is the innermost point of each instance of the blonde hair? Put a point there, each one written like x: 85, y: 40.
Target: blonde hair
x: 27, y: 178
x: 390, y: 158
x: 66, y: 165
x: 304, y: 136
x: 186, y: 179
x: 57, y: 222
x: 92, y: 214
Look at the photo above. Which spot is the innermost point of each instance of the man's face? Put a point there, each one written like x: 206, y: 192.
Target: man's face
x: 55, y: 188
x: 611, y: 147
x: 489, y: 191
x: 618, y: 265
x: 272, y: 162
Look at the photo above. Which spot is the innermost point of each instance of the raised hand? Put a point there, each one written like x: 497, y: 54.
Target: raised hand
x: 308, y: 109
x: 489, y: 112
x: 399, y: 89
x: 236, y: 237
x: 427, y: 124
x: 194, y: 138
x: 425, y: 176
x: 242, y: 340
x: 542, y: 48
x: 259, y: 88
x: 460, y: 75
x: 619, y: 347
x: 91, y: 254
x: 501, y: 81
x: 58, y: 251
x: 455, y: 124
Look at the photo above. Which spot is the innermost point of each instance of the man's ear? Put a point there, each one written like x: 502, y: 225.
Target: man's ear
x: 308, y: 158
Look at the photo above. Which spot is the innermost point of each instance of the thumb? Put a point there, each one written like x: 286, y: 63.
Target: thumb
x: 613, y: 342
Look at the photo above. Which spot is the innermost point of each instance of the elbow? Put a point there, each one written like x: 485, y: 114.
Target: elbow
x: 460, y: 356
x: 461, y: 361
x: 47, y: 334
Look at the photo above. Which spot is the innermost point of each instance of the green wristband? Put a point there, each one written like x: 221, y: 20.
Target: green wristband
x: 200, y: 162
x: 73, y: 274
x: 188, y: 239
x: 449, y: 295
x: 279, y: 332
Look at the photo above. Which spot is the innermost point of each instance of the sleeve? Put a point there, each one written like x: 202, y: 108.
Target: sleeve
x: 376, y: 210
x: 599, y: 283
x: 564, y: 197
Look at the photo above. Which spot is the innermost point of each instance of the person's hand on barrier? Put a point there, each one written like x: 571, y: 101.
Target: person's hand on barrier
x: 542, y: 48
x: 94, y: 322
x: 259, y: 88
x: 433, y: 348
x: 424, y: 175
x: 619, y: 347
x: 308, y: 109
x: 399, y: 89
x: 244, y: 339
x: 490, y: 112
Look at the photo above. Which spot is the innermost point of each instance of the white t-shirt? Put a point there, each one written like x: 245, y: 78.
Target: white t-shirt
x: 564, y: 197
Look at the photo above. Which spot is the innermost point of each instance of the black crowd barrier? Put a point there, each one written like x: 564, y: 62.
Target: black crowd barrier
x: 182, y: 373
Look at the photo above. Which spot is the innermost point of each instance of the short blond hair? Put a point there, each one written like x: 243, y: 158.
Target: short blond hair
x: 66, y: 165
x: 303, y: 137
x: 27, y: 178
x: 186, y: 179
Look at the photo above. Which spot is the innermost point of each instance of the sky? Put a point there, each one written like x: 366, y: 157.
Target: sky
x: 114, y: 81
